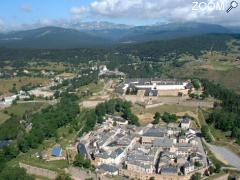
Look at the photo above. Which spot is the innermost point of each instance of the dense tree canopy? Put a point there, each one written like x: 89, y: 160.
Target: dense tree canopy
x: 169, y: 118
x: 15, y: 173
x: 45, y: 124
x: 226, y: 117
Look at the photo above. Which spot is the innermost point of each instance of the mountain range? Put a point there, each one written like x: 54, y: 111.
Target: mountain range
x: 99, y: 34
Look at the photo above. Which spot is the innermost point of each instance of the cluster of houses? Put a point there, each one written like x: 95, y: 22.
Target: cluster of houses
x: 117, y: 148
x: 41, y: 92
x: 8, y: 100
x: 155, y: 87
x: 25, y: 72
x: 105, y: 72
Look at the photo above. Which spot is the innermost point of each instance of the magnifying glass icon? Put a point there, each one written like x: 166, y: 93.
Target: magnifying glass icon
x: 233, y: 4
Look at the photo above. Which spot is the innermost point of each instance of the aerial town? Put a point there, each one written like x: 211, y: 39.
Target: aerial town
x: 119, y: 90
x: 171, y: 152
x: 116, y: 147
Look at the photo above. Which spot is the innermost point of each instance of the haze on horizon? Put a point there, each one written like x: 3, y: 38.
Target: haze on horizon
x: 28, y: 14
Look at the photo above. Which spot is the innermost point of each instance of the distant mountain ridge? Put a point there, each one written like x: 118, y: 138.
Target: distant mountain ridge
x: 50, y: 37
x: 105, y: 34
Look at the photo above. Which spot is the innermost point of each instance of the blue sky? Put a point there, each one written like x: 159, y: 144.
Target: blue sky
x: 32, y: 11
x: 13, y: 10
x: 24, y: 14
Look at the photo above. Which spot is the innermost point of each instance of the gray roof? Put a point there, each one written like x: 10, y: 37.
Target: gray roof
x: 155, y: 132
x: 82, y: 149
x: 149, y: 92
x: 141, y: 164
x: 188, y: 164
x: 104, y: 137
x: 125, y: 141
x: 116, y: 153
x: 103, y: 155
x: 185, y: 120
x: 168, y: 154
x: 108, y: 168
x: 169, y: 170
x: 165, y: 142
x: 140, y: 156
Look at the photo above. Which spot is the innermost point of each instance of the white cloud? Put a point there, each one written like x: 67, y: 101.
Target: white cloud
x: 77, y: 10
x: 174, y: 11
x: 26, y: 8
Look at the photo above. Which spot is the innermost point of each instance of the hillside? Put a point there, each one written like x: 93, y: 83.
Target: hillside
x: 86, y: 35
x: 50, y: 38
x: 150, y: 51
x: 194, y: 45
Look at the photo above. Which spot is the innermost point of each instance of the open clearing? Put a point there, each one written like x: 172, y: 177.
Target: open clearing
x: 146, y: 115
x: 20, y: 109
x: 50, y: 66
x: 7, y: 84
x: 3, y: 117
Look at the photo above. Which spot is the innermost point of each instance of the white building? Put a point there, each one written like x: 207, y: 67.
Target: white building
x: 157, y: 84
x: 185, y: 123
x: 188, y: 167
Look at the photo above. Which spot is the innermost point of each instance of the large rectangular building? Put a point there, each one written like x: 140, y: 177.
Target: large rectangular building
x: 155, y: 87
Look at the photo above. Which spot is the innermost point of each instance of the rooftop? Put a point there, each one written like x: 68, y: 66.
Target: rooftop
x: 169, y: 170
x: 185, y: 120
x: 108, y: 168
x: 57, y: 151
x: 155, y: 132
x: 165, y: 142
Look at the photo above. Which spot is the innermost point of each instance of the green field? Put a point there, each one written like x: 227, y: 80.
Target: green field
x: 20, y: 109
x: 146, y: 115
x: 93, y: 87
x: 7, y: 84
x: 30, y: 159
x: 163, y: 108
x: 218, y: 67
x: 3, y: 117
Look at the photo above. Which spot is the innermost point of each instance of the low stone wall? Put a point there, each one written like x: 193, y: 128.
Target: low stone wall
x: 39, y: 171
x: 145, y: 176
x: 172, y: 92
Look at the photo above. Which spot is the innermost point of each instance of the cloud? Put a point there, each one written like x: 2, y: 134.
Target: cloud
x: 77, y: 10
x: 26, y: 8
x: 173, y: 11
x: 2, y: 25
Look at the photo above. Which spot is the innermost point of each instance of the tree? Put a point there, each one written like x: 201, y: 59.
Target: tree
x: 197, y: 164
x: 196, y: 176
x: 157, y: 117
x: 169, y: 118
x: 211, y: 169
x: 206, y: 133
x: 217, y: 167
x: 15, y: 173
x: 81, y: 161
x: 196, y: 84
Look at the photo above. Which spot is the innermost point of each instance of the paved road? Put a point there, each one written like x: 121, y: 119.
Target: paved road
x: 227, y: 155
x: 38, y: 101
x: 201, y: 150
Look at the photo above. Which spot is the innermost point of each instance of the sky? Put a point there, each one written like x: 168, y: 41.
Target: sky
x: 27, y: 14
